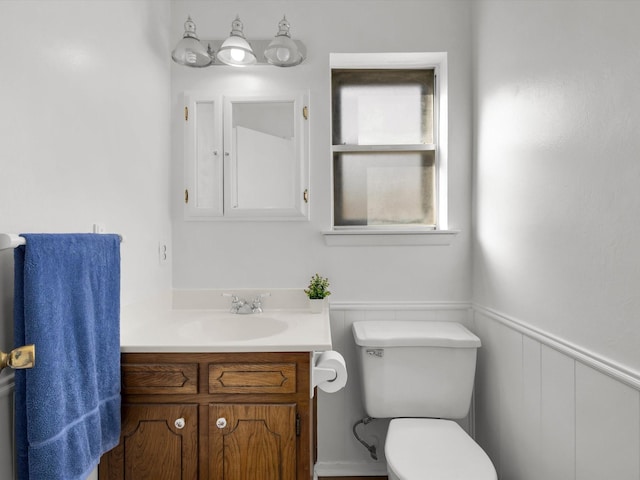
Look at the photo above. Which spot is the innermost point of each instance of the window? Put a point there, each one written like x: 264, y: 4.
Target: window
x: 388, y: 169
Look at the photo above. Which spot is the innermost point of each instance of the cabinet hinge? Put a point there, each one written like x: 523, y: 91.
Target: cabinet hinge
x: 186, y: 114
x: 305, y: 112
x: 298, y: 424
x: 186, y: 195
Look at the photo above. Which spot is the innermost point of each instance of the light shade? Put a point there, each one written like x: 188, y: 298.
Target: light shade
x: 190, y: 51
x: 235, y: 50
x: 283, y: 51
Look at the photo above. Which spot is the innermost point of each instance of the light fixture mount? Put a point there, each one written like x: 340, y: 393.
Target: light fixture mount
x: 235, y: 50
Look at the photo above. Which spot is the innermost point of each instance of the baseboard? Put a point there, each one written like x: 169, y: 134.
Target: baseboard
x: 353, y: 478
x: 353, y: 470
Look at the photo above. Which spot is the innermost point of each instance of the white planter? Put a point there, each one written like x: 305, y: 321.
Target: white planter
x: 316, y: 305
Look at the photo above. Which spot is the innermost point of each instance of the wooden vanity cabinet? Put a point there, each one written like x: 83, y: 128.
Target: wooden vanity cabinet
x: 214, y: 416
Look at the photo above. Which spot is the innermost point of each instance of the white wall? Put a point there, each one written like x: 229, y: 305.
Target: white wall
x: 85, y: 138
x: 557, y: 170
x: 556, y: 267
x: 286, y: 254
x: 85, y: 124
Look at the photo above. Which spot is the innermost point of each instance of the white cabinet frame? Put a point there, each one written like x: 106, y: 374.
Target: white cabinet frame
x: 214, y: 162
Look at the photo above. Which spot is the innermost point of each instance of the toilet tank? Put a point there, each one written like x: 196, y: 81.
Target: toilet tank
x: 416, y: 368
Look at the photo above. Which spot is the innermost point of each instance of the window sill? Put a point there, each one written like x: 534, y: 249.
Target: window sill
x: 381, y: 237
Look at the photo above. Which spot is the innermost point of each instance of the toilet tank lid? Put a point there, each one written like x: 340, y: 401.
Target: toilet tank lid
x: 414, y: 334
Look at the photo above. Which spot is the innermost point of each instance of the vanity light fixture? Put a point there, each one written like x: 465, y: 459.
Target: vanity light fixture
x: 190, y: 51
x: 281, y: 51
x: 235, y: 50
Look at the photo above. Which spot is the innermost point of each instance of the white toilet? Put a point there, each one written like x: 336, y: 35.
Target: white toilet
x: 421, y: 375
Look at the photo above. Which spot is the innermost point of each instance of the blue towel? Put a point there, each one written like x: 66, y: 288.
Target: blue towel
x: 67, y: 303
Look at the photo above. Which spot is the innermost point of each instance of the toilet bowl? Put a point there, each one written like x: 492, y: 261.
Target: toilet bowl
x: 421, y: 374
x: 425, y: 448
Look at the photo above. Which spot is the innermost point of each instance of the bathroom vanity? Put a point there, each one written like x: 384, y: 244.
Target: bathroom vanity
x: 201, y: 401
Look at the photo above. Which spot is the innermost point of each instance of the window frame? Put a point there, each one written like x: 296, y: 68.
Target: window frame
x: 409, y: 235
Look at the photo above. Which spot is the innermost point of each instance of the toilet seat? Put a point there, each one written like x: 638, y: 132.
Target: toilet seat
x: 420, y: 448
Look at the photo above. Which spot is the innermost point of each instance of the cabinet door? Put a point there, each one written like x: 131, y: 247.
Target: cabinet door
x: 266, y: 156
x: 252, y: 442
x: 158, y: 442
x: 246, y: 157
x: 203, y: 196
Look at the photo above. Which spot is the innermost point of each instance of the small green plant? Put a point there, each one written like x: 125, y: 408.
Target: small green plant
x: 318, y: 287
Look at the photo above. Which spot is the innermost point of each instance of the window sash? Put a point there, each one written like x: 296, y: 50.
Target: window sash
x: 384, y: 189
x: 384, y: 181
x: 383, y: 106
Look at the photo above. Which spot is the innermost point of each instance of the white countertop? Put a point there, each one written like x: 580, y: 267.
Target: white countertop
x: 159, y: 327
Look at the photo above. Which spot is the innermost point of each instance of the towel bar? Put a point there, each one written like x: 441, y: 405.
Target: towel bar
x: 21, y: 357
x: 12, y: 240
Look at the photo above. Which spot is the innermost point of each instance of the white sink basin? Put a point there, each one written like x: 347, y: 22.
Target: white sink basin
x: 200, y: 321
x: 232, y: 327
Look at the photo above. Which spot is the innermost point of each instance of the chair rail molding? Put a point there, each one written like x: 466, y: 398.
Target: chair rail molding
x: 603, y: 365
x: 400, y: 305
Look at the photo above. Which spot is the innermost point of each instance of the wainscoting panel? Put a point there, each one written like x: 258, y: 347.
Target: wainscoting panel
x: 531, y: 402
x: 557, y: 407
x: 510, y: 373
x: 579, y: 415
x: 607, y: 440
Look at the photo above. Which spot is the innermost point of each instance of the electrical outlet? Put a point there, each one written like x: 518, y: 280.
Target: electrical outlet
x: 163, y: 253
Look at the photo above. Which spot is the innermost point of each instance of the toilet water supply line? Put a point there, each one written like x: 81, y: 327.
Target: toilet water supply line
x: 371, y: 448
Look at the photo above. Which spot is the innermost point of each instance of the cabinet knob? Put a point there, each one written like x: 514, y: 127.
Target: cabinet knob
x: 221, y: 422
x: 179, y: 423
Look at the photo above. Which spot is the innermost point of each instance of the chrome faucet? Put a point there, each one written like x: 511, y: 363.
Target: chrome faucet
x: 240, y: 305
x: 243, y: 307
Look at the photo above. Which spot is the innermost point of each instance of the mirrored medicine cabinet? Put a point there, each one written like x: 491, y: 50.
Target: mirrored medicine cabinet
x: 246, y: 157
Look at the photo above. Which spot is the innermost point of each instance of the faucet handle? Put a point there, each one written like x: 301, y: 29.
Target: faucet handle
x: 258, y: 299
x: 256, y: 305
x: 234, y: 297
x: 235, y: 302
